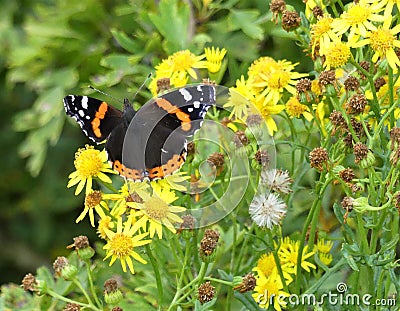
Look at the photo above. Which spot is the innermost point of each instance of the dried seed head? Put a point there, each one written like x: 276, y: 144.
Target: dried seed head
x: 366, y: 66
x: 395, y: 156
x: 290, y: 20
x: 337, y: 120
x: 111, y: 285
x: 59, y: 264
x: 117, y: 309
x: 327, y: 77
x: 360, y: 152
x: 318, y: 158
x: 277, y: 6
x: 134, y: 197
x: 248, y: 283
x: 82, y: 247
x: 358, y: 128
x: 351, y: 84
x: 303, y: 85
x: 356, y: 104
x: 347, y: 175
x: 191, y: 148
x: 112, y: 295
x: 318, y: 12
x: 254, y: 120
x: 379, y: 82
x: 394, y: 137
x: 240, y: 139
x: 212, y: 234
x: 81, y: 241
x: 29, y: 282
x: 72, y: 307
x: 347, y: 203
x: 225, y: 121
x: 209, y: 243
x: 205, y: 292
x: 262, y: 157
x: 188, y: 222
x: 163, y: 84
x: 348, y: 140
x: 396, y: 199
x: 217, y: 159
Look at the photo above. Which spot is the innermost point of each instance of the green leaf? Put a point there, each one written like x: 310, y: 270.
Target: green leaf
x: 173, y: 23
x: 247, y: 300
x: 126, y: 42
x: 246, y: 20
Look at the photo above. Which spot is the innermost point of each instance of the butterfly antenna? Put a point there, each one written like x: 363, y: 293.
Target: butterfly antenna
x: 104, y: 93
x: 142, y: 85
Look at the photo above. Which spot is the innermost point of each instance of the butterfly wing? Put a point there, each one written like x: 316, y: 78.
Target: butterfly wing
x: 155, y: 141
x: 96, y: 118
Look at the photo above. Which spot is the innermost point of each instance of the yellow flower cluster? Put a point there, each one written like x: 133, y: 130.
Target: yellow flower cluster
x: 128, y: 215
x: 272, y: 283
x: 268, y: 83
x: 182, y: 66
x: 363, y: 23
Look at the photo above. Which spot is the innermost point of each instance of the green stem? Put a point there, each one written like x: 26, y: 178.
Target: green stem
x: 62, y: 298
x: 325, y: 276
x: 91, y: 285
x: 156, y: 273
x: 312, y: 217
x: 79, y: 285
x: 229, y: 283
x: 177, y: 298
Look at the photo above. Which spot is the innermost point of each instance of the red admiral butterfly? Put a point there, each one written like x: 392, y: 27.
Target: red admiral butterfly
x: 149, y: 143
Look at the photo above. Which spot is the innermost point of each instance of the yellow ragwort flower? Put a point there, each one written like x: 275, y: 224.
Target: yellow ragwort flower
x: 186, y: 61
x: 214, y: 57
x: 322, y: 34
x: 239, y: 98
x: 310, y: 5
x: 176, y: 181
x: 93, y: 201
x: 267, y: 111
x: 383, y: 40
x: 120, y: 245
x: 358, y: 17
x: 125, y: 194
x: 105, y: 223
x: 266, y: 266
x: 325, y: 258
x: 295, y: 109
x: 157, y: 211
x: 324, y: 246
x: 288, y: 252
x: 273, y: 81
x: 337, y: 54
x: 389, y: 8
x: 89, y: 163
x: 268, y: 289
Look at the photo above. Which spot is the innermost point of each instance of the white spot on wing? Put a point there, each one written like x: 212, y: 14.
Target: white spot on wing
x: 84, y: 102
x: 196, y: 104
x: 163, y: 150
x: 186, y: 94
x: 81, y: 113
x: 190, y: 109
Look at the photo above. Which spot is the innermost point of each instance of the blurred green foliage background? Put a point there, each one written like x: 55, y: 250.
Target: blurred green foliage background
x: 51, y: 48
